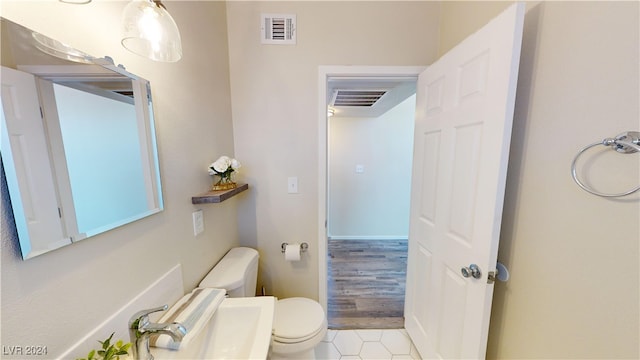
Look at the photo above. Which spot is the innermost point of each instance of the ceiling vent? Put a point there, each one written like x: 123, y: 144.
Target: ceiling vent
x: 278, y: 29
x: 352, y: 97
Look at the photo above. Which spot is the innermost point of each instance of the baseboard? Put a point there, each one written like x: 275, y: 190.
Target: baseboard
x: 368, y: 237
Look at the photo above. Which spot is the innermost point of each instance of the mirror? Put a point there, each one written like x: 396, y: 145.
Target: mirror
x: 78, y: 142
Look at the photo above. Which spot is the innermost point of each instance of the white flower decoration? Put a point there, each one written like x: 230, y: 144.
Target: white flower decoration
x: 223, y: 165
x: 235, y: 164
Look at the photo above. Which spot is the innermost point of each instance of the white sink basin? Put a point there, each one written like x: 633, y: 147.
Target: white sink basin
x: 239, y: 329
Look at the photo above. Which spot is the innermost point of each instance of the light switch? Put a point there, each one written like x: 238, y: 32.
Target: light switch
x: 292, y: 185
x: 198, y: 223
x: 359, y: 169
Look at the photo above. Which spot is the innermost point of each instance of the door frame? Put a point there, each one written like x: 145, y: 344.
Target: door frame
x: 325, y: 72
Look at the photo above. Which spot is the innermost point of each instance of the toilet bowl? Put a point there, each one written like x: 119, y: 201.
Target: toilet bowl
x: 299, y: 324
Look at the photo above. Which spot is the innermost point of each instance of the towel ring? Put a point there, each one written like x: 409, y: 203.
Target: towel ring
x: 625, y: 143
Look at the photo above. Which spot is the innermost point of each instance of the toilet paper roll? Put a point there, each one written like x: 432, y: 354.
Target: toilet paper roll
x: 292, y: 252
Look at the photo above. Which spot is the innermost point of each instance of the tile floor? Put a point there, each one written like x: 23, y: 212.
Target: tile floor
x: 367, y: 345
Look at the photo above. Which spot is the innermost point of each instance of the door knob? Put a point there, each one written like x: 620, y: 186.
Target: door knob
x: 473, y: 270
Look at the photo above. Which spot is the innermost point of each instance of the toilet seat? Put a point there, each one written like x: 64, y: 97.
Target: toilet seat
x: 297, y: 320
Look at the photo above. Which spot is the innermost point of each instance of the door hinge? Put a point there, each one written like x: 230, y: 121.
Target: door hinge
x: 41, y: 113
x: 59, y: 213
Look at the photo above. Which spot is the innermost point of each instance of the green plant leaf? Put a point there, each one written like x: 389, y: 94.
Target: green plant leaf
x: 89, y: 356
x: 109, y: 351
x: 107, y: 342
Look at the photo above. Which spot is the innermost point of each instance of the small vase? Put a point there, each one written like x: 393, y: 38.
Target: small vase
x: 225, y: 183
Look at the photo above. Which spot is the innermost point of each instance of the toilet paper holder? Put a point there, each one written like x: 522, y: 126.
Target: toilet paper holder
x: 303, y: 247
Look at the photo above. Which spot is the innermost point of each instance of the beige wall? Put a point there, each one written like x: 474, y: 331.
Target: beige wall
x: 573, y: 257
x: 459, y: 19
x: 274, y: 101
x: 56, y: 298
x: 373, y: 204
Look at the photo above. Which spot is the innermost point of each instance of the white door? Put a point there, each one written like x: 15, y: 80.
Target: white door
x: 464, y: 113
x: 27, y: 166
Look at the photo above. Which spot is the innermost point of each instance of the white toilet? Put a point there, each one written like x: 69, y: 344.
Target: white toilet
x: 299, y: 323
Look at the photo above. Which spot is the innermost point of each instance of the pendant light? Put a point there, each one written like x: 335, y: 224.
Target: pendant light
x: 150, y: 31
x: 76, y: 2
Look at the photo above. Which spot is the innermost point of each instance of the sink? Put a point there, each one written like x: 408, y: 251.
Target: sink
x: 239, y: 329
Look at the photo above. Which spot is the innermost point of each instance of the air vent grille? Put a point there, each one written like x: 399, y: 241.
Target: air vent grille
x: 278, y: 29
x: 365, y: 98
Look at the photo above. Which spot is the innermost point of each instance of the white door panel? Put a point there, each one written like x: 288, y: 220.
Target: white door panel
x: 27, y: 165
x: 464, y: 113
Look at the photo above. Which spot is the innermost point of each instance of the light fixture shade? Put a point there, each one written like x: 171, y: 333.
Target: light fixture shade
x: 77, y: 2
x: 59, y: 49
x: 150, y: 31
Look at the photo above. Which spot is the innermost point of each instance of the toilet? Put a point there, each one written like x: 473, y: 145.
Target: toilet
x: 299, y: 323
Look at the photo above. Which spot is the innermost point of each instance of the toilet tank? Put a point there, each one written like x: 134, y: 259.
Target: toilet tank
x: 236, y: 272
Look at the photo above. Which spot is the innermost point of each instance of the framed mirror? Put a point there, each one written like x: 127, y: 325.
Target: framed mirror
x: 78, y: 142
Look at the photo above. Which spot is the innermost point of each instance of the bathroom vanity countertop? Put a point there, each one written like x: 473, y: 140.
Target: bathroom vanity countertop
x: 218, y: 196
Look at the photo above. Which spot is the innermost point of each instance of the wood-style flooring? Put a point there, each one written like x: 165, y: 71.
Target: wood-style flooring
x: 366, y: 284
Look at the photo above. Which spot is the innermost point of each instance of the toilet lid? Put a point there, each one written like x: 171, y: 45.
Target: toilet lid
x: 297, y: 319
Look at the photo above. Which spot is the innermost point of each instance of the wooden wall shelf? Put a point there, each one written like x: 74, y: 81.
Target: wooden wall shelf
x: 213, y: 197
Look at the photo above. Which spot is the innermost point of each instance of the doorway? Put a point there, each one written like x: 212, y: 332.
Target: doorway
x: 363, y: 243
x: 448, y: 315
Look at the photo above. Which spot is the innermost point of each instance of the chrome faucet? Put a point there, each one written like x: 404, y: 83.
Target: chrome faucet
x: 140, y: 329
